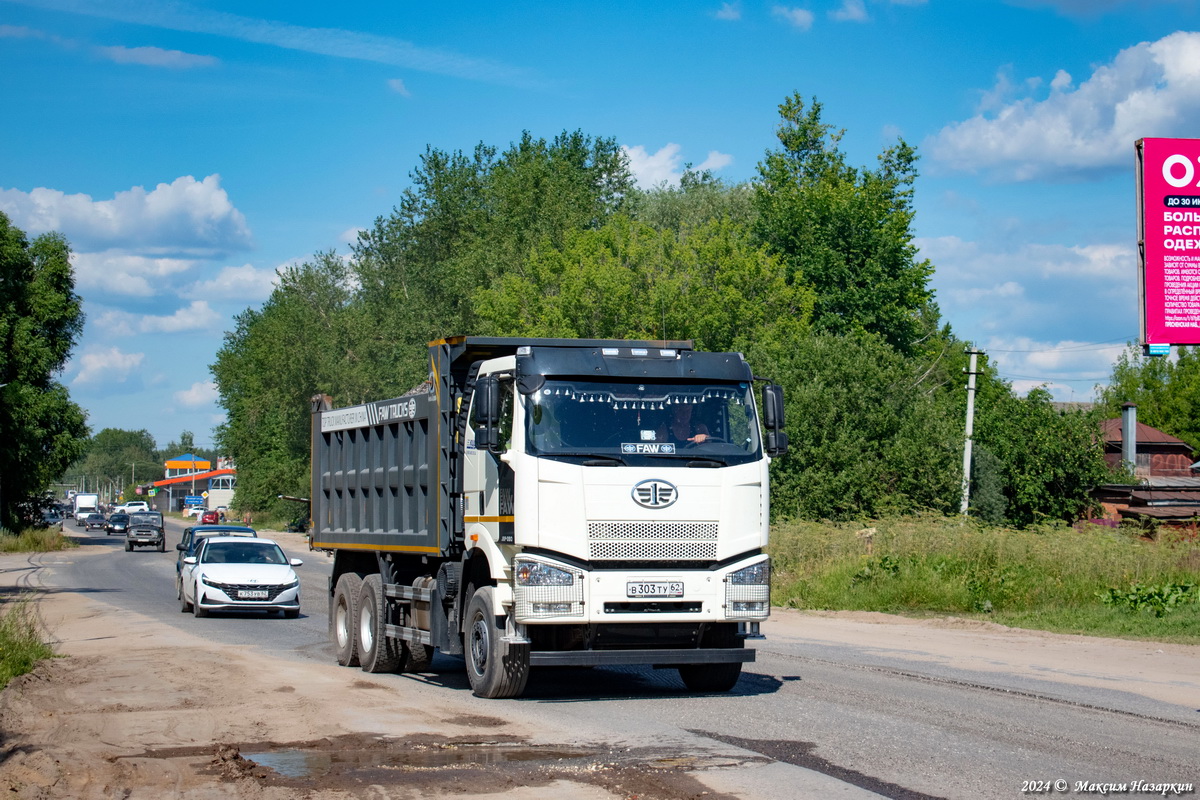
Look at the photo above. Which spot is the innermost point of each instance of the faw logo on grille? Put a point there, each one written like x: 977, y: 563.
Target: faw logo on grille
x: 655, y: 493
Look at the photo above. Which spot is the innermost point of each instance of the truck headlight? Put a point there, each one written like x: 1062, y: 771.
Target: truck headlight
x: 748, y: 592
x: 759, y: 573
x: 535, y: 573
x: 543, y: 591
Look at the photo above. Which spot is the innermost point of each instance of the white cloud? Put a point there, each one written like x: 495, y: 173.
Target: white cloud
x: 731, y: 12
x: 350, y: 235
x: 666, y: 165
x: 796, y: 17
x: 246, y: 283
x: 198, y: 394
x: 335, y: 42
x: 196, y: 317
x: 184, y: 217
x: 1150, y: 89
x: 1042, y: 292
x: 851, y: 11
x: 397, y: 86
x: 1068, y: 368
x: 155, y: 57
x: 118, y: 272
x: 110, y: 365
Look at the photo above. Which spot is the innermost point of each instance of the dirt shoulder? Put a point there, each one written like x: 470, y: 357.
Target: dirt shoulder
x: 117, y: 716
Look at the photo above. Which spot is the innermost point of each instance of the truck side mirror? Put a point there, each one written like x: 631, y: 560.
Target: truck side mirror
x: 772, y: 410
x: 487, y: 413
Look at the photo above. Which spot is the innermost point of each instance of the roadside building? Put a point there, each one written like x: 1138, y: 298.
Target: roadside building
x: 1167, y: 488
x: 190, y: 480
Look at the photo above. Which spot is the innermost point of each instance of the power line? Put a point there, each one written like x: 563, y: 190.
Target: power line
x: 1057, y: 380
x: 1078, y: 347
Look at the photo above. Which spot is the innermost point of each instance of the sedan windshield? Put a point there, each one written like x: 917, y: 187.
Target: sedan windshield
x: 249, y: 552
x: 635, y: 422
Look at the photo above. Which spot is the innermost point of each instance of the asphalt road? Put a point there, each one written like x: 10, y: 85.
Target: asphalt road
x: 879, y: 722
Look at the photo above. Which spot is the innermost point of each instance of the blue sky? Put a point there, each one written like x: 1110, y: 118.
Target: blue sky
x: 189, y: 149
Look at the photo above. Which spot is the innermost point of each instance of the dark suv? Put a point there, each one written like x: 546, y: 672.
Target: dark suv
x: 146, y: 527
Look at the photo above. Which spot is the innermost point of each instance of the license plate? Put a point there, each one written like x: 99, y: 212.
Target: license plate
x: 654, y: 589
x: 252, y: 594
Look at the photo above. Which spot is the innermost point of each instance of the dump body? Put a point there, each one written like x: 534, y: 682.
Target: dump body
x: 550, y: 501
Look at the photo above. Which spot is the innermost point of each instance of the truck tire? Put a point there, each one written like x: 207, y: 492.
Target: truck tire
x: 376, y: 651
x: 714, y: 677
x: 494, y: 668
x: 128, y: 547
x: 342, y: 620
x: 418, y: 657
x: 710, y: 677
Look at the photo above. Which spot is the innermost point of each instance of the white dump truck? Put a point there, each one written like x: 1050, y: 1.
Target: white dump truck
x: 551, y: 502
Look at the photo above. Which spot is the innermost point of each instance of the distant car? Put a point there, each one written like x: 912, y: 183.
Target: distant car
x: 192, y: 537
x: 133, y: 505
x: 146, y: 528
x: 117, y: 523
x: 236, y: 573
x: 94, y: 521
x: 52, y: 519
x: 210, y: 518
x: 193, y: 511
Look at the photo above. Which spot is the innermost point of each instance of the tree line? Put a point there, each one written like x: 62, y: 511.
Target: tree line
x: 809, y: 269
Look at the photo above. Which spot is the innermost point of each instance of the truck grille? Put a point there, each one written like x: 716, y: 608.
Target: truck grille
x: 652, y: 541
x: 231, y: 590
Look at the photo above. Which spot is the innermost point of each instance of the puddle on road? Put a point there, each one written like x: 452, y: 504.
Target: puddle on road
x: 468, y: 764
x: 321, y: 763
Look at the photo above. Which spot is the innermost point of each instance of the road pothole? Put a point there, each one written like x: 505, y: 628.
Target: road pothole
x: 462, y: 765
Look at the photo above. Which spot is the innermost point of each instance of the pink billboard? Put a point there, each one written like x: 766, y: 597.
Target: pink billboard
x: 1168, y: 183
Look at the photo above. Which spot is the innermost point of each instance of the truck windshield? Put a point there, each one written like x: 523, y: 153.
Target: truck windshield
x: 639, y: 422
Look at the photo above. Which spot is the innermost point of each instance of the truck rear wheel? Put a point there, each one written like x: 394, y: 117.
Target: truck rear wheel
x: 376, y: 652
x: 341, y: 621
x: 495, y: 668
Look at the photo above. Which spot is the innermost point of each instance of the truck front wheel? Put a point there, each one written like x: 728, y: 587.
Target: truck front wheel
x: 376, y: 652
x: 495, y: 668
x: 710, y: 677
x: 341, y: 621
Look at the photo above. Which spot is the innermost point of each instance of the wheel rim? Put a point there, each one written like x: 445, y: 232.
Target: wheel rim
x: 366, y: 628
x: 342, y: 625
x: 479, y: 645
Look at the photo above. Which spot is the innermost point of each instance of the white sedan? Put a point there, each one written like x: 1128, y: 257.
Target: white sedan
x: 237, y: 573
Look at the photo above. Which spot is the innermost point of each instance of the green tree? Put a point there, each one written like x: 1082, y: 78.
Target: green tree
x: 41, y: 430
x: 869, y: 432
x: 1166, y: 391
x: 1049, y: 460
x: 699, y: 199
x: 627, y: 280
x: 117, y: 458
x: 845, y: 232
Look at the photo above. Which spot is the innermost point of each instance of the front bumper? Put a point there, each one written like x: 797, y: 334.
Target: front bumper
x: 618, y: 596
x: 212, y: 598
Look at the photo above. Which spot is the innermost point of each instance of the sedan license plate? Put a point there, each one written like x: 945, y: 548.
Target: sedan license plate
x: 654, y: 589
x: 252, y: 594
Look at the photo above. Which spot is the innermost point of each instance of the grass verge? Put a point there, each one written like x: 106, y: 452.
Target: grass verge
x: 1091, y: 580
x: 35, y: 540
x: 21, y: 644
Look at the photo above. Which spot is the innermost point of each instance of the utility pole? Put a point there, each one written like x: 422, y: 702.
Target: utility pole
x: 966, y: 479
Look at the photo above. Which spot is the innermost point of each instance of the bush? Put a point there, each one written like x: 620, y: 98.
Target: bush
x: 21, y: 645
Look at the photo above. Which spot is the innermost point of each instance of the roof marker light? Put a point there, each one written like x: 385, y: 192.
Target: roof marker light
x: 610, y: 351
x: 524, y: 350
x: 639, y: 351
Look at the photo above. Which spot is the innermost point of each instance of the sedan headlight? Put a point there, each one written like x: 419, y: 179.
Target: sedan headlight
x: 535, y: 573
